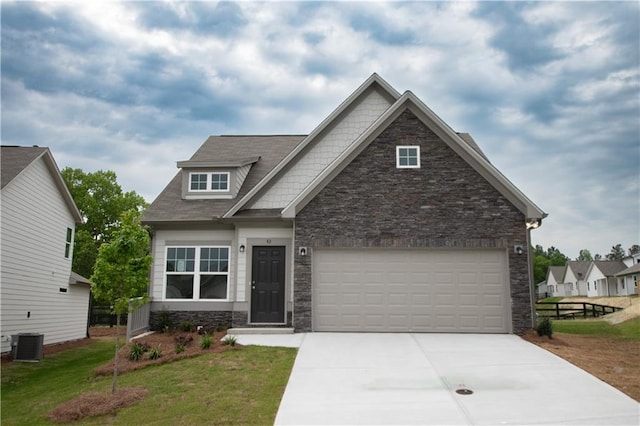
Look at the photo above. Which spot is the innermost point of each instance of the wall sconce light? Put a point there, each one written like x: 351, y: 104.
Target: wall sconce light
x: 302, y: 251
x: 518, y: 249
x: 534, y: 223
x: 242, y: 248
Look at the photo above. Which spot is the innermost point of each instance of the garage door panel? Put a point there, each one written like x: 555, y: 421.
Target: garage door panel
x: 410, y: 290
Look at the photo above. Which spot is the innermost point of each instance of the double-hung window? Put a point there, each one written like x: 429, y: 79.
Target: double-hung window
x: 209, y: 182
x: 197, y: 273
x: 408, y: 157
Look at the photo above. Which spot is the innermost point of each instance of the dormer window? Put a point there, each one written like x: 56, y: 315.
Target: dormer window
x: 209, y: 182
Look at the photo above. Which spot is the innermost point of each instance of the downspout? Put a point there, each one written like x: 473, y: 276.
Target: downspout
x: 532, y: 224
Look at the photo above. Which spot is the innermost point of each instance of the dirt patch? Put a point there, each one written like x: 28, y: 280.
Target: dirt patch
x: 611, y: 359
x: 95, y: 404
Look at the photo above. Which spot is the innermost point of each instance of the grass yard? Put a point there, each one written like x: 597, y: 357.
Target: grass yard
x: 242, y: 386
x: 628, y: 329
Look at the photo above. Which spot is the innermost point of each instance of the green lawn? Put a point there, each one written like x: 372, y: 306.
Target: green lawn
x: 628, y: 329
x: 242, y: 386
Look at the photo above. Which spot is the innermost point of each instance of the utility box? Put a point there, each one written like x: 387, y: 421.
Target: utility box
x: 27, y: 347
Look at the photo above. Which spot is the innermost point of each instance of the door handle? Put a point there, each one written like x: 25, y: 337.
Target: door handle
x: 253, y: 287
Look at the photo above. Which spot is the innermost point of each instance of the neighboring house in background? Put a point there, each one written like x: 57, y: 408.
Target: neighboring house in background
x: 574, y: 278
x: 39, y: 292
x: 627, y: 280
x: 555, y: 283
x: 382, y: 219
x: 601, y: 279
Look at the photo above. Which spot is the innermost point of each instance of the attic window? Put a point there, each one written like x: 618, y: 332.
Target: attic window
x: 408, y: 157
x: 209, y: 182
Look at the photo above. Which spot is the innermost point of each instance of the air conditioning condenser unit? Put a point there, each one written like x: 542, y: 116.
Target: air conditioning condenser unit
x: 27, y: 347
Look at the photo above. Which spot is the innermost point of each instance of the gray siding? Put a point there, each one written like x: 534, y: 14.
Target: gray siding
x: 35, y: 219
x: 444, y: 204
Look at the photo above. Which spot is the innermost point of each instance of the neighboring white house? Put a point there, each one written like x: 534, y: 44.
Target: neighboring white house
x: 627, y: 279
x: 39, y: 292
x: 555, y: 286
x: 601, y: 279
x: 574, y: 278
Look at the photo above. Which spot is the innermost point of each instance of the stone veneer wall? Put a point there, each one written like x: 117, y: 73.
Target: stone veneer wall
x: 210, y: 320
x: 443, y: 204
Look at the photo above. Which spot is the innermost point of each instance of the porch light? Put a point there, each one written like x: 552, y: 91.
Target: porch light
x: 303, y: 251
x: 534, y: 223
x: 242, y: 248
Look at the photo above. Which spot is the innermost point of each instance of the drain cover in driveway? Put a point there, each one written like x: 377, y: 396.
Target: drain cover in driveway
x: 464, y: 391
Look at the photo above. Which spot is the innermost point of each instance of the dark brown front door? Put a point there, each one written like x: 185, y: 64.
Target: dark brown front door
x: 267, y: 284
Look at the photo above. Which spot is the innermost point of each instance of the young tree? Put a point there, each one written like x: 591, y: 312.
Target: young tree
x: 617, y: 253
x: 585, y: 255
x: 101, y: 201
x: 122, y: 271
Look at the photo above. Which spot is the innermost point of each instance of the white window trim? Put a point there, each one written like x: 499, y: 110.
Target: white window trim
x: 209, y: 182
x: 399, y: 147
x: 196, y: 274
x: 68, y: 243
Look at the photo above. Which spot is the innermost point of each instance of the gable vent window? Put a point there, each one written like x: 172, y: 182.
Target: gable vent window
x: 209, y: 182
x: 408, y: 157
x: 67, y: 245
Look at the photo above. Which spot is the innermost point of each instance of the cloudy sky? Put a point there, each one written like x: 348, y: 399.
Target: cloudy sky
x: 549, y: 90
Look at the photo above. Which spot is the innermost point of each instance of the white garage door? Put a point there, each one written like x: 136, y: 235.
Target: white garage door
x: 411, y: 290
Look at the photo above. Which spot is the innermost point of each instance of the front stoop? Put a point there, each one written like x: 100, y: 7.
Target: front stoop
x: 260, y: 330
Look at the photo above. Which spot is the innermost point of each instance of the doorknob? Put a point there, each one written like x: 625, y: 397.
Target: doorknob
x: 253, y: 287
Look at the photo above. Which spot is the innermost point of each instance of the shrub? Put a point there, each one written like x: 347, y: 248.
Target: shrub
x: 137, y: 350
x: 205, y: 341
x: 182, y: 341
x: 164, y: 320
x: 230, y: 340
x: 180, y: 347
x: 545, y: 327
x: 155, y: 353
x: 187, y: 326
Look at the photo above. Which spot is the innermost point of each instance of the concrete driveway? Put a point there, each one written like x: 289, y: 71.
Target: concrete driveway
x: 352, y: 378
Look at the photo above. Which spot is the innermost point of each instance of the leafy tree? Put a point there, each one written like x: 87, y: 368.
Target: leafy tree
x: 122, y: 271
x: 634, y: 249
x: 585, y: 255
x: 598, y: 256
x: 101, y: 201
x: 542, y: 260
x: 617, y: 253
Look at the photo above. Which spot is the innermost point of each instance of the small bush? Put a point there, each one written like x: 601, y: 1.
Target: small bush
x: 180, y: 347
x: 205, y: 341
x: 545, y: 327
x: 187, y: 326
x: 164, y: 319
x: 155, y: 353
x: 137, y: 350
x: 230, y: 340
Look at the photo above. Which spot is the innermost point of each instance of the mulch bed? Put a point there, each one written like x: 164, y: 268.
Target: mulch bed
x: 96, y: 404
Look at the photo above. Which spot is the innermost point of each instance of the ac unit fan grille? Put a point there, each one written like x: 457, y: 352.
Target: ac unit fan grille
x: 28, y: 347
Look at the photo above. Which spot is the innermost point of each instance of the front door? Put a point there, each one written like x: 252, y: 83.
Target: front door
x: 267, y: 284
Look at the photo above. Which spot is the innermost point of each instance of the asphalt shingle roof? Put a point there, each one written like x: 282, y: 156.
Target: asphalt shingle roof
x: 631, y: 270
x: 579, y: 268
x: 15, y: 159
x: 169, y: 205
x: 610, y: 267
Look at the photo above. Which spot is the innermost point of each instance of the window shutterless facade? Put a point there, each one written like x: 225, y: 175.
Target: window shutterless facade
x: 408, y: 157
x: 209, y: 182
x: 197, y: 273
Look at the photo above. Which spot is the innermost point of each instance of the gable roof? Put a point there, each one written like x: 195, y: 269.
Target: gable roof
x: 373, y: 82
x: 220, y: 150
x: 608, y: 267
x: 579, y: 268
x: 557, y: 272
x: 15, y: 159
x: 473, y: 156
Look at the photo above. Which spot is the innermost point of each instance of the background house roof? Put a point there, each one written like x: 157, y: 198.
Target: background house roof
x: 14, y: 159
x: 579, y: 268
x: 557, y: 272
x: 609, y: 267
x: 635, y: 269
x: 169, y: 205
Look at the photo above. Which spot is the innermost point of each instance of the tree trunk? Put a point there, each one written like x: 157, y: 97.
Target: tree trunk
x: 114, y: 386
